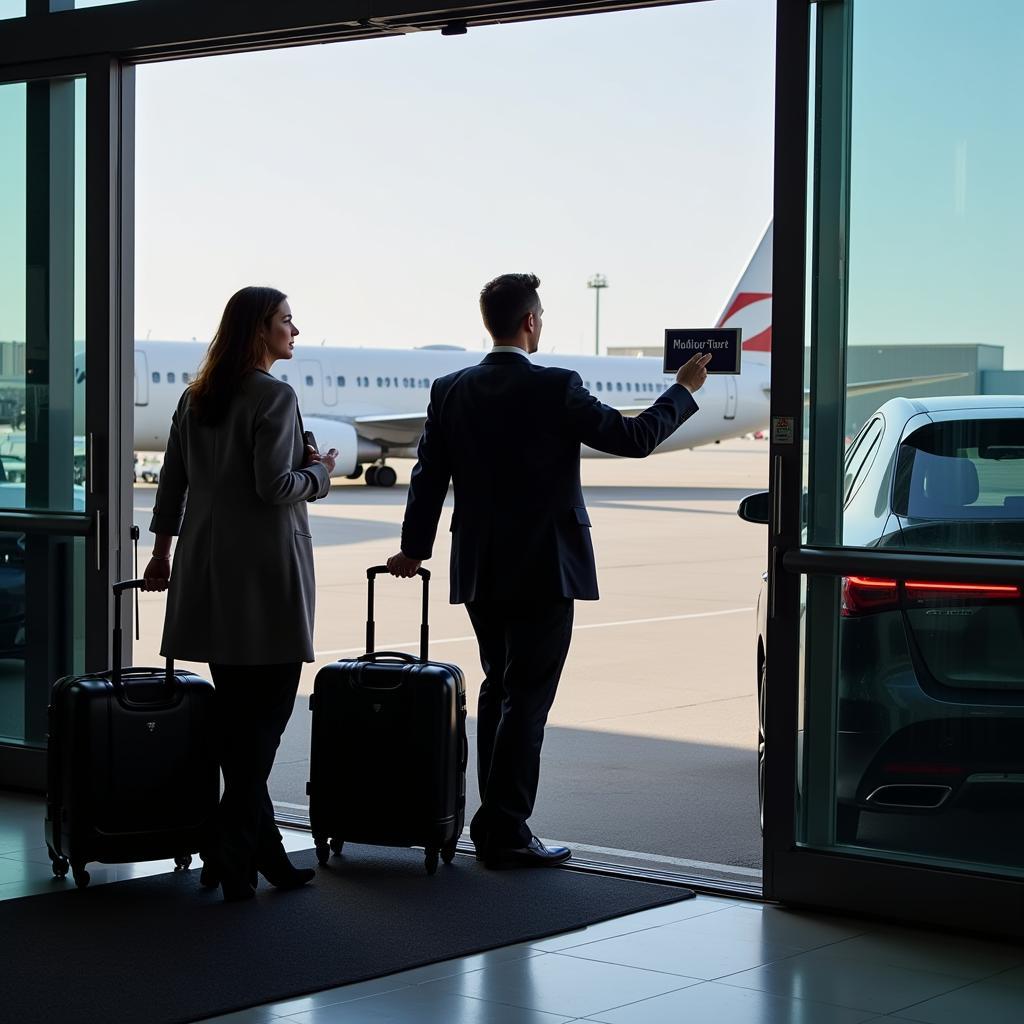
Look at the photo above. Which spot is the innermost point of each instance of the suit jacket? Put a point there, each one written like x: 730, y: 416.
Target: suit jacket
x: 507, y: 433
x: 242, y: 589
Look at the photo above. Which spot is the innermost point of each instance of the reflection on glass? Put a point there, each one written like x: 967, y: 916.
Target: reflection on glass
x: 936, y: 215
x: 42, y: 329
x: 55, y: 645
x: 12, y: 294
x: 913, y: 743
x: 947, y: 479
x: 918, y: 750
x: 930, y: 719
x: 12, y: 637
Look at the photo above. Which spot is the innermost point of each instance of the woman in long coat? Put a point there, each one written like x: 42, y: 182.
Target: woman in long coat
x: 234, y: 486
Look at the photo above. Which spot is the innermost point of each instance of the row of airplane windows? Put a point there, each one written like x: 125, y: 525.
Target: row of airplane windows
x: 648, y: 387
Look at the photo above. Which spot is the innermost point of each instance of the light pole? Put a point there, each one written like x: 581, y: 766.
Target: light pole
x: 597, y: 282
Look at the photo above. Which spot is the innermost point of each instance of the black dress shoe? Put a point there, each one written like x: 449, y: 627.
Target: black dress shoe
x: 534, y: 855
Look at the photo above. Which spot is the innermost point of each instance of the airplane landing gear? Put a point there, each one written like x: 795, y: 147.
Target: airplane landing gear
x: 355, y: 474
x: 380, y: 476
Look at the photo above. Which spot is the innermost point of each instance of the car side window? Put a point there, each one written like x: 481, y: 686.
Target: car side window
x: 885, y: 487
x: 850, y: 461
x: 861, y: 458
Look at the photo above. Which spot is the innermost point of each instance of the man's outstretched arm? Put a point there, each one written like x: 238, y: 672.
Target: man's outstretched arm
x: 605, y: 429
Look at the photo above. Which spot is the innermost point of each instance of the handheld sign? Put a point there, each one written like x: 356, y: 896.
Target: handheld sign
x: 722, y: 342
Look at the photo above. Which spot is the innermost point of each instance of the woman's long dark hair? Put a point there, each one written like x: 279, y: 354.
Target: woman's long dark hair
x: 237, y: 348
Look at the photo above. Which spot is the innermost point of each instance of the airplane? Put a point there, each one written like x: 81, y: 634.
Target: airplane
x: 370, y: 404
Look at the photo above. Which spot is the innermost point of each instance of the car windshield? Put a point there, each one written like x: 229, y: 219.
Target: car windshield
x: 962, y: 469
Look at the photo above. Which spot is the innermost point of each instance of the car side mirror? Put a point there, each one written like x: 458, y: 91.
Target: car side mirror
x: 755, y: 508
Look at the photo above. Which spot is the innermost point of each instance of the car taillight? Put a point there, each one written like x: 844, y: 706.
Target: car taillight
x: 923, y: 589
x: 862, y: 595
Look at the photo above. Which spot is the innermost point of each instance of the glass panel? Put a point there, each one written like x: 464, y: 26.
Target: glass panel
x: 16, y: 8
x: 42, y: 331
x: 913, y: 715
x: 936, y: 216
x: 42, y: 628
x: 42, y: 289
x: 12, y: 293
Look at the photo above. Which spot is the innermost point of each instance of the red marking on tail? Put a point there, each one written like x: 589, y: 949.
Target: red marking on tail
x: 759, y: 342
x: 741, y: 301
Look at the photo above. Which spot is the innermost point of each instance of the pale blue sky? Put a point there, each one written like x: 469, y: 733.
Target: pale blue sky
x: 381, y: 183
x: 937, y: 210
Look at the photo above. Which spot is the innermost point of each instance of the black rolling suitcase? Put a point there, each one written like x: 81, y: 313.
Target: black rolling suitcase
x: 388, y: 751
x: 132, y: 770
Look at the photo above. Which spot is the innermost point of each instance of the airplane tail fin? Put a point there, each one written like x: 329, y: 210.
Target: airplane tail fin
x: 750, y: 305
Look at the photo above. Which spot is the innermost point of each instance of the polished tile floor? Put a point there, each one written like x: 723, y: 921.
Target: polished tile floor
x: 703, y: 961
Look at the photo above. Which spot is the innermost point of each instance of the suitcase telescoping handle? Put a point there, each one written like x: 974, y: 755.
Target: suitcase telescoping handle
x: 371, y: 575
x: 115, y: 661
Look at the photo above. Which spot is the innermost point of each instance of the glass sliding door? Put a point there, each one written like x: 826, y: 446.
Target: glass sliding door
x: 908, y: 779
x: 59, y: 542
x: 42, y: 333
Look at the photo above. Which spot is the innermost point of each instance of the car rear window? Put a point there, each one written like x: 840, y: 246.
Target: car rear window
x: 962, y: 469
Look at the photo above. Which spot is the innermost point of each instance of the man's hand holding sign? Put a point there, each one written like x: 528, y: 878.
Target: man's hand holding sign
x: 692, y: 374
x: 723, y: 343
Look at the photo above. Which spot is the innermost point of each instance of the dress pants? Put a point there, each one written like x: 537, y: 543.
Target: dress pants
x: 523, y: 646
x: 254, y: 703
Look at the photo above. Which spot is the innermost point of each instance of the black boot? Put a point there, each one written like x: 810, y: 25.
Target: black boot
x: 209, y: 877
x: 235, y: 891
x: 280, y: 872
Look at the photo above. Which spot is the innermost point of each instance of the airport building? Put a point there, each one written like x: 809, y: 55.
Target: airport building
x: 968, y: 369
x: 882, y: 698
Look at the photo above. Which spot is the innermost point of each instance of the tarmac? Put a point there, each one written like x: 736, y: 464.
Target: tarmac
x: 650, y: 753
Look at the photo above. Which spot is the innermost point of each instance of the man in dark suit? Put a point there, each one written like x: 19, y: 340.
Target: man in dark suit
x: 507, y: 433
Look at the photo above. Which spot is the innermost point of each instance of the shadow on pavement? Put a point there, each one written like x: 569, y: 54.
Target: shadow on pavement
x: 676, y: 799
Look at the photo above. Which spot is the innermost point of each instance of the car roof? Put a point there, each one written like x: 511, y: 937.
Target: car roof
x: 908, y: 407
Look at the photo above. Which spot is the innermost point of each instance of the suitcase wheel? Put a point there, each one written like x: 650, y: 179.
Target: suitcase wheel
x: 448, y: 853
x: 80, y: 874
x: 59, y: 864
x: 337, y: 845
x: 323, y: 852
x: 430, y: 860
x: 183, y: 863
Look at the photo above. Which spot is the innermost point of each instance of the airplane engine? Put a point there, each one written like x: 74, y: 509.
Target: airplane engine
x: 352, y: 449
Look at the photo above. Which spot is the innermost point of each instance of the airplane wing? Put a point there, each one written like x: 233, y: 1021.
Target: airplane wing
x: 895, y: 383
x: 868, y: 387
x: 403, y: 429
